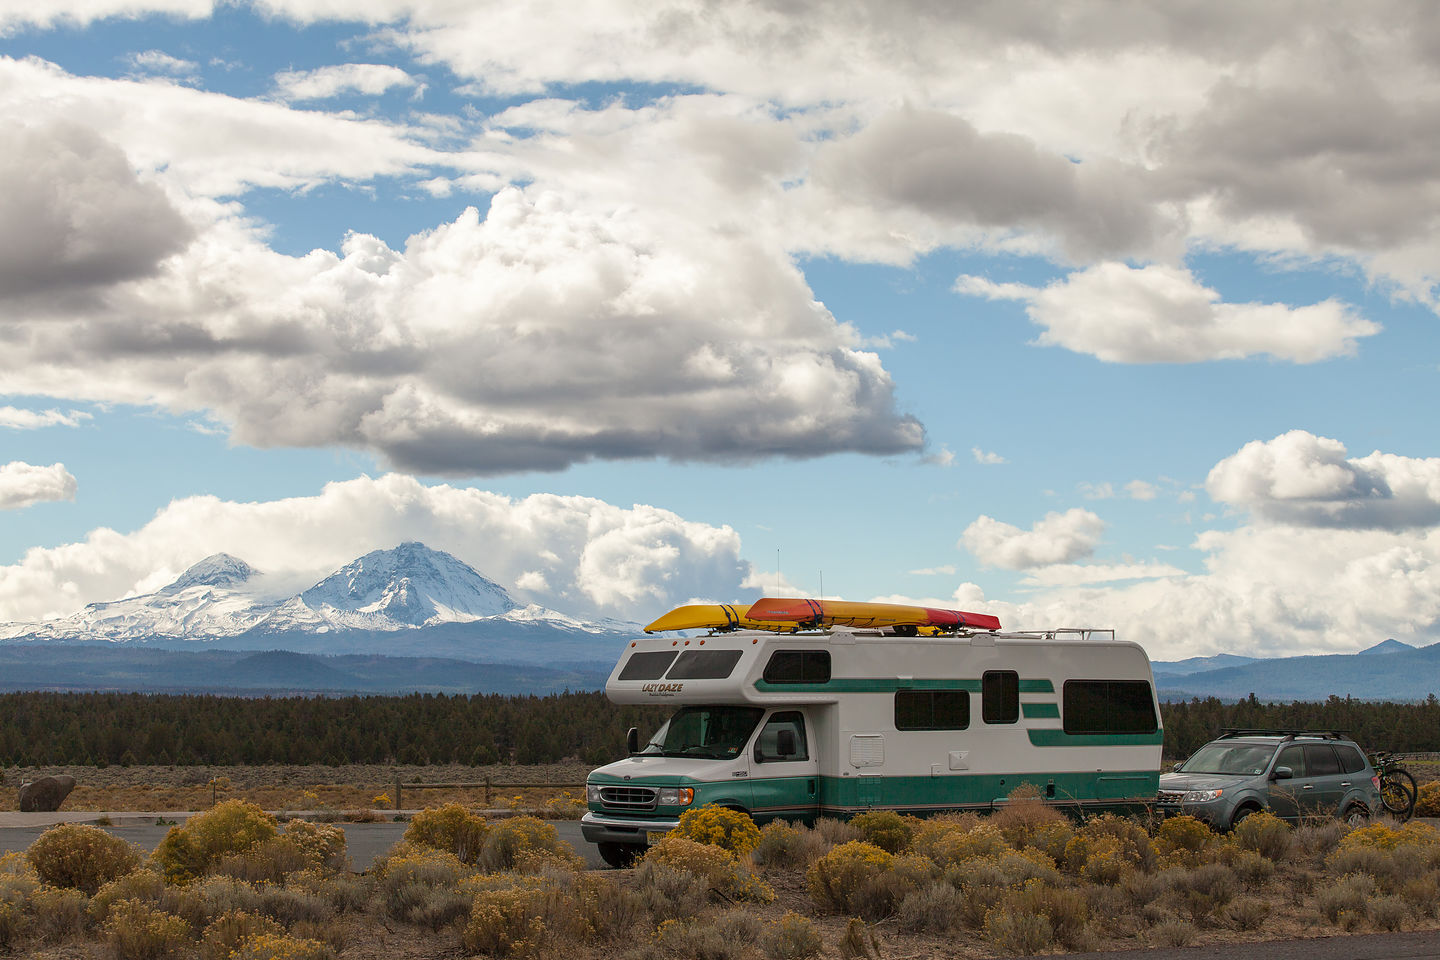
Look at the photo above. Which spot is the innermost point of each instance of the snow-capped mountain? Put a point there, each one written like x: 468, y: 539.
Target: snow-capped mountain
x: 409, y: 600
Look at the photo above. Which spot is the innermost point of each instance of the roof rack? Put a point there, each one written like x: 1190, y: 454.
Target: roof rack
x: 1284, y: 734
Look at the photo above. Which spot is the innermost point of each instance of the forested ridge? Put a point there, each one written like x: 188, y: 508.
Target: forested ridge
x: 45, y: 729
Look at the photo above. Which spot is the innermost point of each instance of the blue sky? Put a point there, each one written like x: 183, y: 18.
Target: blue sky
x: 1078, y: 320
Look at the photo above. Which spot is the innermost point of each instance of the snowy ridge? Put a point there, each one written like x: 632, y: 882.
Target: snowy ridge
x: 410, y: 587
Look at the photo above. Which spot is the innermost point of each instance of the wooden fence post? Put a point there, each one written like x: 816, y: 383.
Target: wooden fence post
x: 487, y: 793
x: 397, y: 793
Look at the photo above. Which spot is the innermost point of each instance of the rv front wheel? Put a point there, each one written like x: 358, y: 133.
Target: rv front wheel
x: 620, y: 855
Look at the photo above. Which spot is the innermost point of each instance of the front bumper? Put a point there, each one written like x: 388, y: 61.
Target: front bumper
x: 609, y: 828
x: 1214, y: 812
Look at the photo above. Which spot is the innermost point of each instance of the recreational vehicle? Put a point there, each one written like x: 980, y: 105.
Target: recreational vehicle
x: 834, y: 710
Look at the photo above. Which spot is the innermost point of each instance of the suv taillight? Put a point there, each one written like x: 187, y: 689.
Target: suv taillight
x: 1375, y: 780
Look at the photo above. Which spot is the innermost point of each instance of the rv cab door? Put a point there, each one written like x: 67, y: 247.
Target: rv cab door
x: 784, y: 770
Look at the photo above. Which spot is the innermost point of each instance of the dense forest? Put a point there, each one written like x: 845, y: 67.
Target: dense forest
x: 45, y: 729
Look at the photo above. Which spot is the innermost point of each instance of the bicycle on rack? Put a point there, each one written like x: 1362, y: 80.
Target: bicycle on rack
x: 1397, y: 786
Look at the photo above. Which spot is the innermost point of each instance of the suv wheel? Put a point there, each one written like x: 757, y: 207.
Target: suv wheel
x: 1241, y: 814
x: 1357, y: 815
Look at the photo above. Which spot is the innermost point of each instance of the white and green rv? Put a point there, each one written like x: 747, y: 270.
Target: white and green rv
x: 836, y: 721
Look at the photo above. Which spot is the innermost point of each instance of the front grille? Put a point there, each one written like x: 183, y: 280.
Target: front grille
x: 1169, y: 796
x: 628, y: 798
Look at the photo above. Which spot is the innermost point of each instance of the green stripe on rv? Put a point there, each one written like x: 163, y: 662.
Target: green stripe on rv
x: 1040, y: 711
x: 891, y: 685
x: 1059, y: 738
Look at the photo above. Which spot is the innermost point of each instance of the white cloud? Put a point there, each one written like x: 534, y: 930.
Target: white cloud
x: 24, y: 484
x: 1304, y: 480
x: 1098, y: 491
x: 157, y: 61
x: 74, y: 216
x: 987, y: 458
x: 944, y: 457
x: 947, y: 569
x: 15, y: 418
x: 1161, y: 314
x: 369, y: 79
x: 1142, y: 490
x: 535, y: 338
x: 1058, y: 538
x: 576, y: 554
x: 1078, y: 574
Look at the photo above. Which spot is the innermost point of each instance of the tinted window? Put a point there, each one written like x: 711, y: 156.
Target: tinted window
x: 768, y: 745
x: 1000, y: 696
x: 1350, y: 759
x: 1294, y: 758
x: 932, y: 709
x: 1108, y: 706
x: 1320, y: 760
x: 798, y: 666
x: 647, y: 666
x: 704, y: 665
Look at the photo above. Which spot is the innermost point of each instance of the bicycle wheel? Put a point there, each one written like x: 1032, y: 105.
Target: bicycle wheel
x: 1397, y: 793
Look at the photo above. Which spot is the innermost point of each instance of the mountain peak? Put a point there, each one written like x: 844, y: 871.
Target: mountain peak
x: 1388, y: 646
x: 216, y: 570
x: 410, y: 583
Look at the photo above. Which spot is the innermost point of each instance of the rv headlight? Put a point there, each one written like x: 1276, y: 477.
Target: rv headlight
x: 592, y: 792
x: 1201, y: 796
x: 675, y: 796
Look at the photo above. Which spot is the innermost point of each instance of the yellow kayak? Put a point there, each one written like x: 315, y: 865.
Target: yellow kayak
x: 786, y: 615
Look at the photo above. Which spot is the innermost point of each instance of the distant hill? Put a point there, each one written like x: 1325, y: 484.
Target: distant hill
x: 1386, y: 671
x: 106, y: 667
x: 1198, y: 664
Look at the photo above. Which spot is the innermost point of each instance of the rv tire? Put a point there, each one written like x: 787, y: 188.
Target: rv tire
x: 620, y: 855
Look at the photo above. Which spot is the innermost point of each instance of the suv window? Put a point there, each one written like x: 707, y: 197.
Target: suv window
x: 1350, y: 759
x: 1320, y: 760
x: 1293, y: 757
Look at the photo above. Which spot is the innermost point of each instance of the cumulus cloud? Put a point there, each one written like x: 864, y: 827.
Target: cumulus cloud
x: 1058, y: 538
x: 534, y: 338
x: 24, y: 484
x: 1304, y: 480
x: 1162, y: 314
x: 73, y: 215
x: 16, y: 418
x: 158, y: 61
x: 1078, y: 574
x: 940, y: 164
x: 575, y: 554
x: 986, y: 457
x: 208, y: 144
x: 369, y: 79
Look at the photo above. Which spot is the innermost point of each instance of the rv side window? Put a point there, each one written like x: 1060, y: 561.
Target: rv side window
x: 798, y: 666
x: 932, y: 709
x: 1000, y: 696
x: 782, y: 738
x: 1108, y: 706
x: 647, y: 666
x: 704, y: 665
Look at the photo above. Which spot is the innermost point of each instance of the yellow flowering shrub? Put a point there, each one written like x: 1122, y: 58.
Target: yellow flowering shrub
x: 451, y: 828
x: 229, y: 827
x: 1264, y: 833
x: 885, y: 828
x: 322, y: 844
x: 1183, y: 840
x: 980, y: 842
x: 1384, y: 837
x: 81, y: 857
x: 1427, y: 800
x: 720, y: 827
x: 521, y: 842
x: 138, y: 929
x: 279, y: 946
x: 840, y: 880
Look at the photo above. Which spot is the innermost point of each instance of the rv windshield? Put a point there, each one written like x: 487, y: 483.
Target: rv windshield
x: 709, y: 733
x: 1249, y: 759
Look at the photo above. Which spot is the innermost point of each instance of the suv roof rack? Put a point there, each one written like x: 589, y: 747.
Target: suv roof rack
x: 1286, y: 734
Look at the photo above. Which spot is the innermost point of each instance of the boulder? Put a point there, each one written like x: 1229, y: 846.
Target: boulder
x: 46, y: 794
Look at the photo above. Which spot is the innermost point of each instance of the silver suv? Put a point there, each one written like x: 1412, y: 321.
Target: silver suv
x: 1291, y: 773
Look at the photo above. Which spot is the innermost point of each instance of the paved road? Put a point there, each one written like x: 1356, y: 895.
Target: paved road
x: 364, y: 841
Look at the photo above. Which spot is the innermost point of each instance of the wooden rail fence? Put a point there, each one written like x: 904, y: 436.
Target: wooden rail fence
x: 488, y: 785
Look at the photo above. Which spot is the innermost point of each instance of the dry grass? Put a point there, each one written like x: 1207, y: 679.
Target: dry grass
x: 309, y: 788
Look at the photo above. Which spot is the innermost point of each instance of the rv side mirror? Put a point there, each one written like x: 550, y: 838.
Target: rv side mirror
x: 785, y: 743
x: 632, y: 740
x: 1177, y: 765
x: 1282, y: 773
